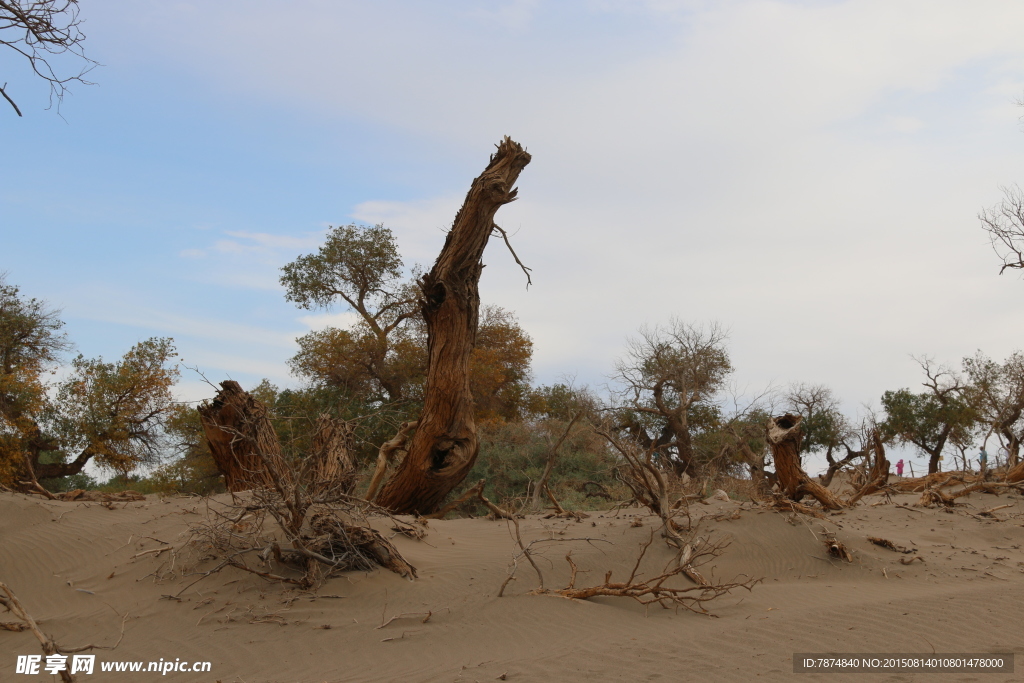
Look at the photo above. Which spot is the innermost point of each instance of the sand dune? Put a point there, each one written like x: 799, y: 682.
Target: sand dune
x: 76, y: 567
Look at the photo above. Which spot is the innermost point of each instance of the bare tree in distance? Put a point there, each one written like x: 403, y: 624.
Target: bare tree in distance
x: 1004, y: 224
x: 668, y: 372
x: 43, y: 32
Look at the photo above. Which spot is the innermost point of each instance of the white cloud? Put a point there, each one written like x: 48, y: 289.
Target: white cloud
x: 272, y: 243
x: 420, y: 226
x: 133, y: 310
x: 321, y: 321
x: 807, y: 173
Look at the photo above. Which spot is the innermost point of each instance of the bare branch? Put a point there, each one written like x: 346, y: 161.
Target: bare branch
x: 508, y: 244
x: 8, y: 98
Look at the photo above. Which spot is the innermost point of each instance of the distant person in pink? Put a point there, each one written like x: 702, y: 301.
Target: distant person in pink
x: 899, y: 468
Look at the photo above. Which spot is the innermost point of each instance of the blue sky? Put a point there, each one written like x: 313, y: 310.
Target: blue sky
x: 806, y: 173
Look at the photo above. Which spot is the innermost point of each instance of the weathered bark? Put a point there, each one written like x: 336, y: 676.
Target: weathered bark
x: 363, y: 538
x: 836, y: 465
x: 784, y: 438
x: 386, y: 454
x: 242, y: 440
x: 446, y: 445
x: 335, y: 470
x: 1015, y: 473
x: 476, y: 490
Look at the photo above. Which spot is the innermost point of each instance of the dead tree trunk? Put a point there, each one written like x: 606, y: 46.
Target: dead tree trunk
x: 335, y: 470
x: 1015, y: 473
x: 879, y: 474
x: 242, y: 439
x: 445, y: 445
x: 784, y: 437
x: 836, y: 465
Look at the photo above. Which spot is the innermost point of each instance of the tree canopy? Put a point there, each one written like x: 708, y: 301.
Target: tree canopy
x: 382, y: 358
x: 669, y: 378
x: 930, y: 420
x: 108, y: 411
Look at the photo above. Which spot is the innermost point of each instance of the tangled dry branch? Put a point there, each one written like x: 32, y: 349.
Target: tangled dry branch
x: 659, y: 589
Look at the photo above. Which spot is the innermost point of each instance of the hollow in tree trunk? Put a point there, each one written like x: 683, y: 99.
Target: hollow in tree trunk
x: 445, y: 445
x: 784, y: 436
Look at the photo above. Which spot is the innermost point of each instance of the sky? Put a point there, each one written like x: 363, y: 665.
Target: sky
x: 807, y: 174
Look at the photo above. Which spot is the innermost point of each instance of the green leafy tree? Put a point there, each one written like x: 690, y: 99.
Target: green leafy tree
x: 670, y: 378
x: 824, y: 426
x: 110, y: 412
x: 382, y: 358
x: 997, y: 393
x: 31, y: 343
x: 357, y: 267
x: 931, y: 420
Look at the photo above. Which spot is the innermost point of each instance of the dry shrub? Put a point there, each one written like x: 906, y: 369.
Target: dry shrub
x: 300, y: 514
x: 255, y: 534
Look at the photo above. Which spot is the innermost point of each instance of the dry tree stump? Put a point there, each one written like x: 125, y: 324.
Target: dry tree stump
x: 242, y: 439
x: 445, y: 445
x: 784, y: 436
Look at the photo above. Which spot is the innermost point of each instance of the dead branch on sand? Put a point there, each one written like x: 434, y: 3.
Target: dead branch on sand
x: 334, y: 537
x: 409, y: 615
x: 835, y: 547
x: 657, y: 590
x: 934, y: 480
x: 477, y: 492
x: 886, y: 543
x: 933, y: 496
x: 780, y: 503
x: 559, y: 511
x: 50, y: 647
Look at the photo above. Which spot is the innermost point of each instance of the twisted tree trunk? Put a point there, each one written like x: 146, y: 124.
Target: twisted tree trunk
x: 784, y: 437
x: 879, y: 474
x: 445, y: 445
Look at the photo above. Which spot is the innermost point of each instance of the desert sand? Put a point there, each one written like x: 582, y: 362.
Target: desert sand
x: 77, y: 568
